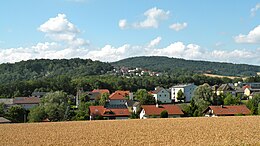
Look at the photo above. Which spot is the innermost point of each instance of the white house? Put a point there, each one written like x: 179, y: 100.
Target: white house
x: 162, y: 95
x: 187, y: 90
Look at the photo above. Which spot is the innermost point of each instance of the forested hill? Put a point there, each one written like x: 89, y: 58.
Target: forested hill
x: 39, y: 68
x: 166, y: 64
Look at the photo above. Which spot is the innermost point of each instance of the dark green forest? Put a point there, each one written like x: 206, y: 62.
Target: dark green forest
x: 171, y: 65
x: 46, y: 68
x: 25, y: 77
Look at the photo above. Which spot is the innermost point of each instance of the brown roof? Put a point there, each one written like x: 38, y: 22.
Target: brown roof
x: 106, y: 112
x: 119, y: 95
x: 125, y: 93
x: 158, y: 89
x: 101, y: 91
x: 153, y: 110
x: 26, y: 100
x: 229, y: 110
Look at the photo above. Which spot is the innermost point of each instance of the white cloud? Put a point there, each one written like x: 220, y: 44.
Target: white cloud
x: 65, y: 43
x: 255, y: 9
x: 122, y: 23
x: 152, y: 20
x: 60, y: 29
x: 178, y: 26
x: 252, y: 37
x: 155, y: 42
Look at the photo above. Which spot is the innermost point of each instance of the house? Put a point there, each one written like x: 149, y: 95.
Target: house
x: 101, y: 91
x: 162, y: 95
x: 214, y: 111
x: 248, y: 90
x: 226, y: 88
x: 89, y: 96
x: 187, y: 90
x: 119, y: 97
x: 108, y: 113
x: 149, y: 111
x: 4, y: 120
x: 27, y: 102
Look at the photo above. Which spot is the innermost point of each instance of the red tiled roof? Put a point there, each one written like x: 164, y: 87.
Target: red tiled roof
x: 153, y: 110
x: 125, y: 93
x: 246, y: 86
x: 26, y: 100
x: 101, y: 110
x: 101, y: 91
x: 229, y: 110
x: 119, y: 95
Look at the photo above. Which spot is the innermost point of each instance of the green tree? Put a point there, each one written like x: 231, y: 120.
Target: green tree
x: 253, y: 104
x: 83, y: 111
x: 180, y: 96
x: 164, y: 114
x: 103, y: 99
x: 231, y: 100
x: 16, y: 114
x: 201, y: 100
x: 144, y: 97
x: 56, y: 105
x: 37, y: 114
x: 2, y: 109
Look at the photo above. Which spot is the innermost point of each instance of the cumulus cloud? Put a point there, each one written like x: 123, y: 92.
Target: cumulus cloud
x: 155, y: 42
x: 60, y: 29
x: 255, y: 9
x: 152, y: 19
x: 178, y: 26
x: 252, y: 37
x: 65, y: 43
x: 122, y: 23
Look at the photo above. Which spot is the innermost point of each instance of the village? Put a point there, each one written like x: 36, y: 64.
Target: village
x: 159, y: 103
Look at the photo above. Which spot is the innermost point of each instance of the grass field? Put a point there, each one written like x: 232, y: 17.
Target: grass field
x: 179, y: 131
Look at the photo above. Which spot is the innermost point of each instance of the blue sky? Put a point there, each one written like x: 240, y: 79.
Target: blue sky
x: 226, y: 31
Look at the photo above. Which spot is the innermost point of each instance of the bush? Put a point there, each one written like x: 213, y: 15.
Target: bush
x: 164, y: 114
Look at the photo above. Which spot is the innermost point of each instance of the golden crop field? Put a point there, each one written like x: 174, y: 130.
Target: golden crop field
x: 179, y: 131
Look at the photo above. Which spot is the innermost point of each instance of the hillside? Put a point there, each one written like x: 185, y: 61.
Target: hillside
x: 39, y: 68
x: 172, y: 131
x: 166, y: 64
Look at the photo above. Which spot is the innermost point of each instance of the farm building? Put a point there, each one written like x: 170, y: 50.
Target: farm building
x: 149, y: 111
x: 214, y: 111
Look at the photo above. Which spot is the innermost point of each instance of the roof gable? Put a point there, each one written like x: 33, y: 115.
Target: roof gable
x: 101, y: 91
x: 229, y: 110
x: 26, y: 100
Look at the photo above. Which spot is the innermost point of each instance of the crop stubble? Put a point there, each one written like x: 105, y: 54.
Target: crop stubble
x: 179, y: 131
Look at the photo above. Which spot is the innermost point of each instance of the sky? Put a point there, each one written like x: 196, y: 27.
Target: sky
x: 111, y: 30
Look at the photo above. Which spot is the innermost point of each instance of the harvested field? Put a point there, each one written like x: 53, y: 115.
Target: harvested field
x: 179, y: 131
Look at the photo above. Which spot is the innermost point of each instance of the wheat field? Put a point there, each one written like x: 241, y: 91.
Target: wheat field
x: 179, y: 131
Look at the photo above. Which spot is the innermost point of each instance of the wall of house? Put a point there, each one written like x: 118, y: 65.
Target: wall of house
x: 163, y: 96
x: 187, y: 91
x: 28, y: 106
x: 142, y: 114
x: 247, y: 92
x: 117, y: 102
